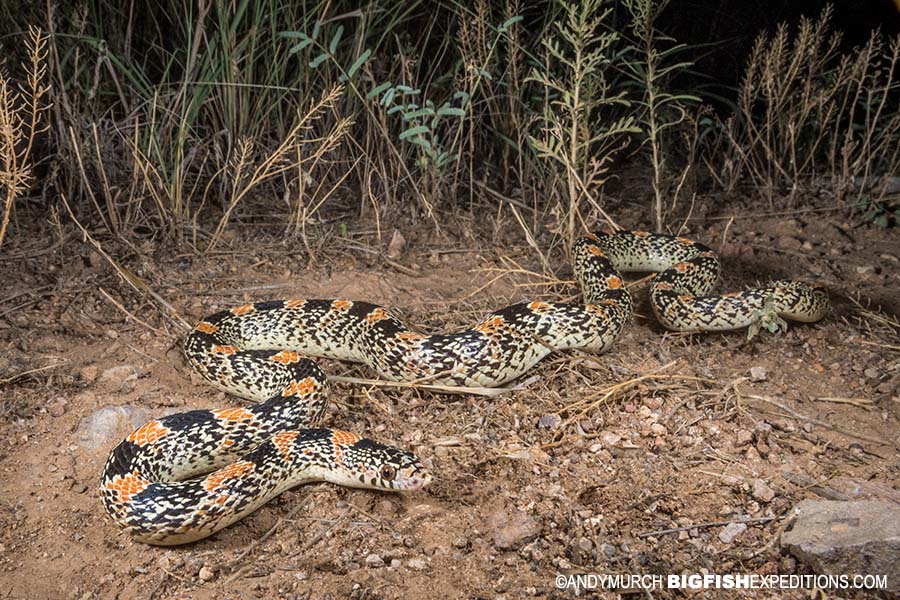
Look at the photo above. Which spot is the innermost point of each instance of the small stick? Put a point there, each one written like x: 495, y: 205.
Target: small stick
x: 124, y: 310
x: 450, y: 389
x: 801, y: 417
x: 862, y: 403
x: 402, y: 268
x: 707, y: 525
x: 29, y: 372
x: 130, y: 278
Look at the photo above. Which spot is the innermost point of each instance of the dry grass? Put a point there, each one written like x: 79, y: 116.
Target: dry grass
x: 21, y: 112
x: 809, y: 114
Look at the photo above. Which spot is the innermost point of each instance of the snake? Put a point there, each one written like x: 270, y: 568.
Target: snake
x: 185, y: 476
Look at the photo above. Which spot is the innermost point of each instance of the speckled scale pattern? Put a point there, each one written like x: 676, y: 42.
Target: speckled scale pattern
x: 185, y: 476
x: 257, y: 352
x: 508, y: 342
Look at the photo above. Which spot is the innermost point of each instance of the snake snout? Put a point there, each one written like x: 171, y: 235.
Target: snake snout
x: 415, y: 478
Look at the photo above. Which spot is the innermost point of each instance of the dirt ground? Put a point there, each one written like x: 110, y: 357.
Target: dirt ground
x: 587, y: 468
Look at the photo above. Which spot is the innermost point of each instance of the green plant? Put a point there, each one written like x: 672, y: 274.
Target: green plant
x: 580, y: 128
x: 652, y: 70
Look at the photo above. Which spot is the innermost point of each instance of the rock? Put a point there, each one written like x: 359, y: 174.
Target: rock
x: 758, y: 374
x: 744, y: 437
x: 731, y: 531
x: 461, y: 542
x: 206, y: 573
x: 117, y: 376
x: 88, y: 374
x: 57, y: 408
x: 610, y: 439
x: 513, y: 530
x: 373, y: 561
x: 551, y: 421
x: 834, y: 537
x: 396, y: 245
x: 416, y: 564
x: 761, y: 491
x: 395, y: 563
x: 107, y: 425
x: 788, y: 242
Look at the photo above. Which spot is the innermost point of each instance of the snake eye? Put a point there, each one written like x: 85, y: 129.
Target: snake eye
x: 388, y: 472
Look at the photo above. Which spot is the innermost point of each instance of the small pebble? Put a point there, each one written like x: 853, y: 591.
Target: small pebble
x: 88, y: 374
x: 373, y: 561
x: 731, y: 531
x: 761, y: 491
x: 744, y: 437
x: 758, y: 374
x: 551, y: 421
x: 206, y: 573
x: 57, y: 408
x: 416, y: 564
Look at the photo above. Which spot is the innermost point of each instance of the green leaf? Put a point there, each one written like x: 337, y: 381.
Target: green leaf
x: 388, y: 96
x: 332, y: 47
x: 317, y: 27
x: 314, y: 63
x: 418, y: 129
x: 420, y: 141
x: 422, y: 112
x: 304, y: 43
x: 377, y: 89
x: 451, y: 111
x: 408, y: 91
x: 395, y: 109
x: 485, y: 74
x: 356, y: 65
x: 509, y: 23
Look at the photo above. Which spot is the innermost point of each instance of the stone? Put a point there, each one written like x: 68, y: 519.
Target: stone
x: 373, y: 561
x: 731, y: 531
x: 758, y: 374
x: 744, y: 437
x: 115, y: 377
x: 57, y: 408
x: 513, y: 530
x: 761, y: 491
x: 206, y: 573
x: 551, y: 421
x: 396, y: 245
x: 88, y: 374
x: 103, y: 427
x: 416, y: 564
x: 834, y: 537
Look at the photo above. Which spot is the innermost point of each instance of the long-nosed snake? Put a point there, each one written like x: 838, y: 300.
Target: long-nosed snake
x: 254, y: 351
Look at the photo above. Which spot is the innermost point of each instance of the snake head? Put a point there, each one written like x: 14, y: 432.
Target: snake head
x: 370, y: 464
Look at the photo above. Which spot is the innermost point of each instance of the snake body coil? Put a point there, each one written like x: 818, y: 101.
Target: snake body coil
x: 254, y: 351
